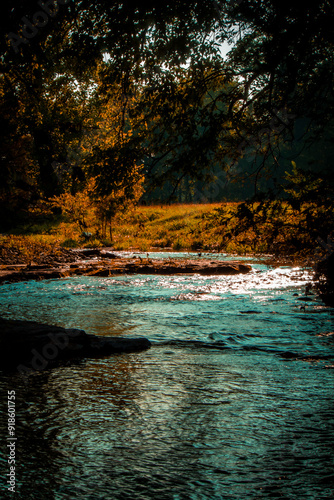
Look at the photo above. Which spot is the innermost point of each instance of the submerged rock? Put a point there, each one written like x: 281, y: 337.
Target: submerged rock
x: 27, y: 346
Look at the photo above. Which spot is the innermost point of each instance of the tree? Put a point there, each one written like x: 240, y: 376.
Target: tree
x: 279, y: 69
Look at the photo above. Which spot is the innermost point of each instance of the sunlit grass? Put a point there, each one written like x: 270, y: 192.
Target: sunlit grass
x: 177, y: 227
x: 207, y: 227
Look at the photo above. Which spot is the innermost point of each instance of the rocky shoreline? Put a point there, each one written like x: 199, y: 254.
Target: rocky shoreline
x: 103, y: 262
x: 27, y: 346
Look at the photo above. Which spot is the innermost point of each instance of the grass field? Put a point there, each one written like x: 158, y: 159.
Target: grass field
x: 196, y: 227
x: 175, y: 227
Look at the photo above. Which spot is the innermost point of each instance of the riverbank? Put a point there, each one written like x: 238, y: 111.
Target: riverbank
x: 181, y: 227
x: 54, y: 247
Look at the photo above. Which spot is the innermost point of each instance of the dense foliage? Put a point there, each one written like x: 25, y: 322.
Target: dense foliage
x: 99, y: 93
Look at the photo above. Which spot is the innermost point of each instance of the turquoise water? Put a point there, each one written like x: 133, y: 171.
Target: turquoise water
x: 234, y: 400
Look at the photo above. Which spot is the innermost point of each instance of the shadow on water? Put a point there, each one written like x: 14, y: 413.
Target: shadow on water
x: 57, y: 412
x: 177, y: 423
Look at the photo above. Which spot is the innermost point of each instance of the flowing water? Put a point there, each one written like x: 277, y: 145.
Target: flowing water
x: 234, y: 400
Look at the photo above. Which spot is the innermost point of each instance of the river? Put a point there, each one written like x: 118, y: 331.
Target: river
x: 234, y: 400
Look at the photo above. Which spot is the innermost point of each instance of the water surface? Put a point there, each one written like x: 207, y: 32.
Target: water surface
x: 233, y: 401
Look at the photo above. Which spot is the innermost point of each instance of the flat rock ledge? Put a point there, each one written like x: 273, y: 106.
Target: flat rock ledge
x: 27, y: 346
x: 113, y: 266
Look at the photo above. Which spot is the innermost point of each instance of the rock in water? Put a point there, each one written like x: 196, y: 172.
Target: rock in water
x: 26, y: 346
x: 108, y: 264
